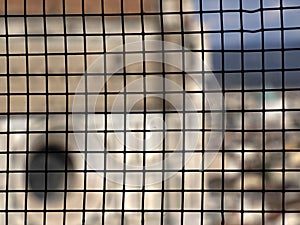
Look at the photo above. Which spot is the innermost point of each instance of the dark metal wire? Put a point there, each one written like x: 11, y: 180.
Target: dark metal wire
x: 241, y: 72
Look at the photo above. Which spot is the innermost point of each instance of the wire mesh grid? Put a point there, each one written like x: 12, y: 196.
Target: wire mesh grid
x: 149, y: 112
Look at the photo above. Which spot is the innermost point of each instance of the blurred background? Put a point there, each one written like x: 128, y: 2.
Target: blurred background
x: 253, y: 49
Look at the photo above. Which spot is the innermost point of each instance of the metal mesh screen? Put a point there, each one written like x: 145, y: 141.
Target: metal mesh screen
x: 149, y: 112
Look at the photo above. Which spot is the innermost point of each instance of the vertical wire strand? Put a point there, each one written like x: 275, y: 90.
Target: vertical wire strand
x: 27, y: 115
x: 105, y: 113
x: 282, y: 36
x: 47, y: 112
x: 164, y: 184
x: 223, y: 88
x: 7, y: 187
x: 66, y: 115
x: 243, y: 112
x: 165, y: 204
x: 124, y: 114
x: 203, y: 122
x: 144, y: 112
x: 184, y: 111
x: 86, y: 90
x: 263, y: 179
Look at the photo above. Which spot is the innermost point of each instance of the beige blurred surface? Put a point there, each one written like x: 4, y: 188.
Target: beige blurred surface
x: 45, y: 69
x: 50, y: 77
x: 32, y: 7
